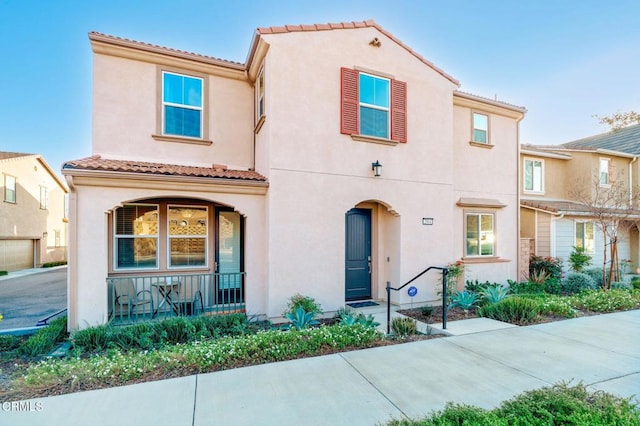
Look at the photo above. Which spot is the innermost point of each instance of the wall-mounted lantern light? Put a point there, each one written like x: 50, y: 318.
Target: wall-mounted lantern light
x: 427, y: 221
x: 377, y: 168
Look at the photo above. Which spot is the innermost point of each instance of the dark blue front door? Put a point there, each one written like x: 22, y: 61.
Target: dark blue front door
x: 358, y: 254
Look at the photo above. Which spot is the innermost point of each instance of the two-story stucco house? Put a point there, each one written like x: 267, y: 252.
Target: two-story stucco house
x: 554, y: 219
x: 334, y: 161
x: 33, y: 223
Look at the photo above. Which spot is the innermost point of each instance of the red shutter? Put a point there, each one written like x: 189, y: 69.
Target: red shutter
x: 398, y: 111
x: 349, y: 101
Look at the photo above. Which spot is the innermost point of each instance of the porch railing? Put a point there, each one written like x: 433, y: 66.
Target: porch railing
x: 146, y: 297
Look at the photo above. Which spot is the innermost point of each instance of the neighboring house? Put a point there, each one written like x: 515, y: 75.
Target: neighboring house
x: 33, y: 224
x: 553, y: 220
x: 334, y: 161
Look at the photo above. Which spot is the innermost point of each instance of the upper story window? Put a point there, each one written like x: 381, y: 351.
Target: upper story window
x: 260, y: 95
x: 604, y: 172
x: 533, y: 175
x: 480, y: 128
x: 9, y: 189
x: 44, y: 198
x: 585, y: 236
x: 182, y: 105
x: 373, y: 106
x: 480, y: 234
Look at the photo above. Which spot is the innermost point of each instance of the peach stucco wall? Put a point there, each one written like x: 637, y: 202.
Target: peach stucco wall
x: 25, y: 219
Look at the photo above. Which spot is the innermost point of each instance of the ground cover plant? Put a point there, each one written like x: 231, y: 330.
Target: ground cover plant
x: 560, y: 404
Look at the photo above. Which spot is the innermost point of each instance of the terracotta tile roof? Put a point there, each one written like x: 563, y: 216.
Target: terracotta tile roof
x: 4, y: 155
x: 94, y: 35
x: 96, y: 162
x: 351, y: 25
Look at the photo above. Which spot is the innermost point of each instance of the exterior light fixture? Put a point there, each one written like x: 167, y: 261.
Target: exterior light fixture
x: 427, y: 221
x: 377, y: 168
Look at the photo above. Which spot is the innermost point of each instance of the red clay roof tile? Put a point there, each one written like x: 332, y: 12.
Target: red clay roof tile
x: 96, y: 162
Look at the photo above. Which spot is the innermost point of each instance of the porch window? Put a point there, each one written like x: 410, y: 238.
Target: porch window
x: 480, y: 234
x: 136, y: 236
x: 187, y: 236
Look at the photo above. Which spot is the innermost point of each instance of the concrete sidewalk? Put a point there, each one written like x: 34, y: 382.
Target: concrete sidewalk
x: 371, y: 386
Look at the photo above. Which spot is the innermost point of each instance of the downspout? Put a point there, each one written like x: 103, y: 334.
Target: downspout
x: 72, y: 260
x: 631, y: 181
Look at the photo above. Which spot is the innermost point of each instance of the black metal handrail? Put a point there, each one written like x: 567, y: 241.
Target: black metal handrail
x: 45, y: 321
x: 445, y: 271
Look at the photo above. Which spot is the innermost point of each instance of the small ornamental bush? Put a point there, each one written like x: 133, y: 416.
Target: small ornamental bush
x: 305, y: 302
x: 404, y: 326
x: 635, y: 283
x: 577, y: 282
x: 9, y: 343
x: 52, y: 264
x: 551, y: 266
x: 4, y: 273
x: 515, y: 310
x: 596, y: 274
x: 560, y: 404
x: 579, y: 259
x: 607, y: 301
x: 45, y: 339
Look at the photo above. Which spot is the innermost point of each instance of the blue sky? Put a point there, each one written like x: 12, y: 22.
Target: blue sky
x: 564, y: 60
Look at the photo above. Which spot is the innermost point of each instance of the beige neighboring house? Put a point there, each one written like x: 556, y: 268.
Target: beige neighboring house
x: 333, y: 162
x: 33, y: 225
x: 553, y: 221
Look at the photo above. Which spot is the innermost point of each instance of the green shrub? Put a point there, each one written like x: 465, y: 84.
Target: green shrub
x: 45, y: 339
x: 9, y: 343
x: 91, y: 339
x: 477, y: 287
x: 4, y: 273
x: 551, y: 304
x: 551, y: 266
x: 427, y: 310
x: 464, y: 300
x: 515, y: 310
x: 577, y: 282
x: 621, y: 285
x: 607, y: 301
x: 560, y: 404
x: 301, y: 319
x: 596, y: 274
x: 635, y: 282
x: 404, y: 326
x: 305, y: 302
x: 52, y: 264
x: 579, y: 259
x: 494, y: 294
x: 549, y: 285
x: 118, y: 368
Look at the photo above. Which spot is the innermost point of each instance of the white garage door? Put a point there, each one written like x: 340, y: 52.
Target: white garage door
x: 16, y: 255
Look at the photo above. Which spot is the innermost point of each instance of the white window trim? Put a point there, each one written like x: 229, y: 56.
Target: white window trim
x: 372, y: 106
x: 495, y: 235
x: 205, y: 237
x: 542, y: 180
x: 116, y: 236
x: 575, y: 241
x: 473, y: 127
x: 608, y: 161
x: 260, y: 112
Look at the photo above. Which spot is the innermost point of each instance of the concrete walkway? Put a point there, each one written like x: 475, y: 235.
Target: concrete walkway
x: 371, y: 386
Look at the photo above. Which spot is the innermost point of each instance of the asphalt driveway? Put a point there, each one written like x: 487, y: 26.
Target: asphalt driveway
x: 29, y: 296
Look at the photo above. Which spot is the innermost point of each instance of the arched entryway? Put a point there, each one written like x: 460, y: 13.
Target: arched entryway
x: 372, y: 247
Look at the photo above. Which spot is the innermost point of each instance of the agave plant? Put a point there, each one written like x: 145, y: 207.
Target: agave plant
x: 494, y: 294
x: 301, y: 319
x: 464, y: 300
x: 350, y: 318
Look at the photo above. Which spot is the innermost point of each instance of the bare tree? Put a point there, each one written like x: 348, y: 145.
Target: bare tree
x: 619, y: 120
x: 612, y: 207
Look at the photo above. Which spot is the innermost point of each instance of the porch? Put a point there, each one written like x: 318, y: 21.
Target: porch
x: 138, y: 298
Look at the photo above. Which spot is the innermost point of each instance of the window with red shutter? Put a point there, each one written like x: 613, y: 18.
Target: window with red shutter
x: 373, y: 106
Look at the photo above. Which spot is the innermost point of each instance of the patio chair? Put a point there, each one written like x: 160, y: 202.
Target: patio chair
x: 127, y: 298
x: 189, y: 298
